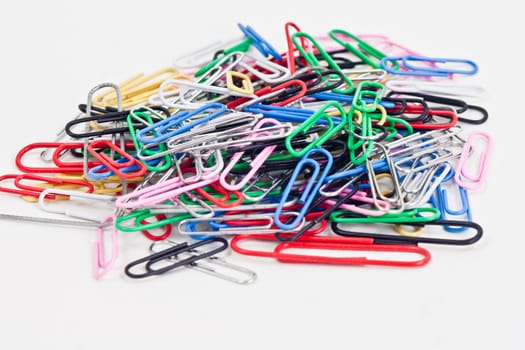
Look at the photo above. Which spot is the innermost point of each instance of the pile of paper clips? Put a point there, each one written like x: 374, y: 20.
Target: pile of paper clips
x: 340, y: 143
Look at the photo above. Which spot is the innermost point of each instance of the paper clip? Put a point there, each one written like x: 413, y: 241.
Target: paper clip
x: 362, y: 50
x: 373, y: 249
x: 368, y: 89
x: 74, y: 168
x: 42, y: 220
x: 290, y: 55
x: 232, y: 224
x: 471, y: 235
x: 471, y: 70
x: 101, y: 264
x: 136, y: 89
x: 313, y: 61
x: 435, y: 87
x: 264, y: 47
x: 185, y: 86
x: 265, y: 70
x: 142, y: 223
x: 89, y: 104
x: 169, y: 255
x: 426, y: 71
x: 74, y: 195
x: 126, y: 167
x: 44, y: 181
x: 269, y: 92
x: 311, y: 189
x: 255, y: 163
x: 443, y: 198
x: 213, y: 266
x: 159, y: 192
x: 172, y: 126
x: 330, y: 243
x: 462, y: 176
x: 334, y: 126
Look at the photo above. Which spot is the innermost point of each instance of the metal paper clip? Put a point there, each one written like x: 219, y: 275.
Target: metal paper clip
x: 265, y: 70
x: 212, y: 265
x: 75, y: 195
x: 419, y: 187
x: 397, y: 200
x: 435, y: 87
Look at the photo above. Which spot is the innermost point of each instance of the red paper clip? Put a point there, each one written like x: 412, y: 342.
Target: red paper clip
x: 448, y: 114
x: 224, y: 200
x: 333, y: 243
x: 34, y: 191
x: 73, y: 168
x: 269, y: 89
x: 89, y: 188
x: 113, y: 165
x: 161, y: 237
x: 79, y: 146
x: 342, y: 245
x: 291, y: 47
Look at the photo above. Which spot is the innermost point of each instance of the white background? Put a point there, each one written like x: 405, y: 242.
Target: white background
x: 54, y: 52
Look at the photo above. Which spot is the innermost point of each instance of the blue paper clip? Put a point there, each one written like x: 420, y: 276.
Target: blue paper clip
x: 426, y: 71
x: 410, y: 58
x: 101, y: 172
x: 192, y: 226
x: 311, y: 190
x: 260, y: 43
x: 162, y: 129
x: 446, y: 209
x: 377, y: 165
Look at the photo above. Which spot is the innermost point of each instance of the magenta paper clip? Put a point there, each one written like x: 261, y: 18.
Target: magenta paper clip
x: 101, y: 264
x: 362, y: 197
x: 256, y: 163
x: 160, y: 192
x: 462, y: 177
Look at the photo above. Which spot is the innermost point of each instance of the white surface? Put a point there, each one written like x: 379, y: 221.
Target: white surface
x: 53, y: 52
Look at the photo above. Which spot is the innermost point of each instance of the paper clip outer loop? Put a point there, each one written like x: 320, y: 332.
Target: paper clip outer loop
x: 462, y: 177
x: 101, y: 264
x: 167, y: 254
x: 115, y: 166
x: 309, y: 192
x: 362, y: 260
x: 413, y: 58
x: 313, y: 120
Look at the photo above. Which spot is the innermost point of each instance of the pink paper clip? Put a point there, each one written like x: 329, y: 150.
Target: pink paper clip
x: 256, y: 163
x: 130, y: 200
x: 101, y: 265
x: 164, y: 191
x: 362, y: 197
x: 462, y: 177
x: 160, y: 192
